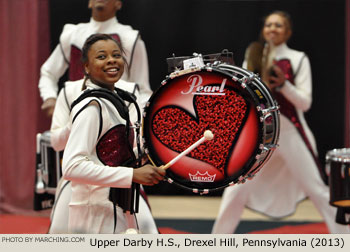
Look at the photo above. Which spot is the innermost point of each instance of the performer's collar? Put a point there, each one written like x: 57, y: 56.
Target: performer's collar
x: 107, y: 23
x: 280, y: 48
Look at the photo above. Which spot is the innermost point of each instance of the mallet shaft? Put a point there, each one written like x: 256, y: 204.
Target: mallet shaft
x: 184, y: 153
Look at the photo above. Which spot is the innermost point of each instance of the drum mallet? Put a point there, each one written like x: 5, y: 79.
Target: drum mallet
x: 208, y: 135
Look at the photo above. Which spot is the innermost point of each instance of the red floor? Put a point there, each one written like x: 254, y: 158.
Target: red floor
x: 16, y: 224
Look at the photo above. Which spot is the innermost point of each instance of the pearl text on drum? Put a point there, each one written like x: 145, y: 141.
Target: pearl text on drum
x: 195, y: 81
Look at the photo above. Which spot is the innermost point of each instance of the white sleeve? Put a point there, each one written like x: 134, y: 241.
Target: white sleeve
x: 56, y: 65
x: 60, y: 122
x: 77, y: 164
x: 244, y: 65
x: 300, y: 94
x: 50, y: 72
x: 139, y: 72
x: 246, y: 55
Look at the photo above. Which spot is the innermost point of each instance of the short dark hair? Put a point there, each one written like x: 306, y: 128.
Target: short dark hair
x: 92, y: 39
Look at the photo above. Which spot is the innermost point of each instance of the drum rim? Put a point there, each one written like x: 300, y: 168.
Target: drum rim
x: 337, y: 155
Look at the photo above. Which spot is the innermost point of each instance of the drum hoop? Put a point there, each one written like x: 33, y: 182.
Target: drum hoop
x: 338, y: 155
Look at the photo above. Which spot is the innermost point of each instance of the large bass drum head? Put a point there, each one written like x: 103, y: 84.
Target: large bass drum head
x: 179, y: 112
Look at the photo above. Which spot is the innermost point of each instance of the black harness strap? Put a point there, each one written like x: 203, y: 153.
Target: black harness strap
x: 127, y: 199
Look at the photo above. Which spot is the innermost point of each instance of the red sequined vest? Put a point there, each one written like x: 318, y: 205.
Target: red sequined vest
x: 288, y: 110
x: 112, y: 148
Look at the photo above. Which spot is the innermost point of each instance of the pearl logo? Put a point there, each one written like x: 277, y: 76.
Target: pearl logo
x: 195, y: 87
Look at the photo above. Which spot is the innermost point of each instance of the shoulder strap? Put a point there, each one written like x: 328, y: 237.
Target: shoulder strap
x: 115, y: 99
x: 131, y: 98
x: 125, y: 95
x: 299, y: 65
x: 118, y: 103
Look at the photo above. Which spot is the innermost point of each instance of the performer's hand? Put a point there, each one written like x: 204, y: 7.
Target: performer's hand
x: 148, y: 175
x: 49, y: 106
x: 277, y: 79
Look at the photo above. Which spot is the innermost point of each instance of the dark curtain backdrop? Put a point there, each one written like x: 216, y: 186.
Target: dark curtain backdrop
x: 208, y: 26
x: 24, y: 45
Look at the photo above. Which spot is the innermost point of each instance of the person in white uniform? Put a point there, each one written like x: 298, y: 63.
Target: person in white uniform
x: 67, y: 53
x: 292, y: 173
x: 59, y: 135
x: 97, y: 146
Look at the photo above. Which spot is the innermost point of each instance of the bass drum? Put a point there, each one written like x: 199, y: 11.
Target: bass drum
x: 47, y: 173
x: 231, y: 102
x: 338, y: 170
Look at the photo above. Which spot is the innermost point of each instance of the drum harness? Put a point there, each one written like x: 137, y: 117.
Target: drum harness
x: 126, y: 198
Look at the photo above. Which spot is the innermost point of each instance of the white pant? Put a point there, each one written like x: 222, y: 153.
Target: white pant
x: 60, y: 212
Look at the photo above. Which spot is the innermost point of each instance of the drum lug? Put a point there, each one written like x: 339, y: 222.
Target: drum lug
x: 247, y: 79
x: 45, y: 176
x: 205, y: 191
x: 342, y: 171
x: 40, y: 186
x: 200, y: 191
x: 250, y: 176
x: 269, y: 110
x: 241, y: 180
x: 265, y: 148
x: 136, y: 125
x: 272, y: 146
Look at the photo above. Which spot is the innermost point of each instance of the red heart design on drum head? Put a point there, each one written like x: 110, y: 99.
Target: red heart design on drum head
x: 178, y: 129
